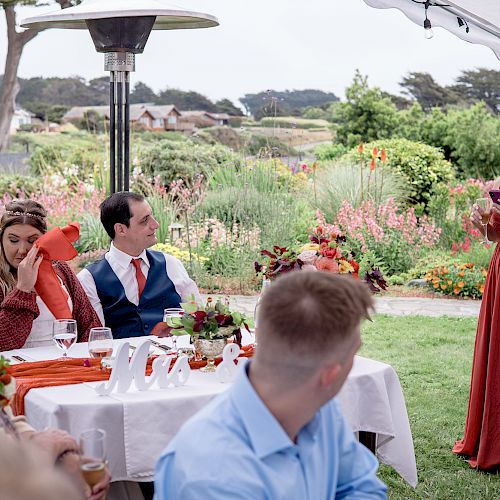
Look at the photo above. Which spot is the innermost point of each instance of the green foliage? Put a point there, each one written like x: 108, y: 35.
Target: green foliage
x: 49, y: 112
x: 172, y: 160
x: 14, y: 185
x: 422, y: 167
x: 473, y: 137
x: 365, y: 116
x: 92, y: 122
x: 92, y: 235
x: 339, y: 182
x: 329, y: 151
x: 186, y: 100
x: 480, y: 84
x: 292, y: 122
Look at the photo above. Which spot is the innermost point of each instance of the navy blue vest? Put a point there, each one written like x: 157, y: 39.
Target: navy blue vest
x: 124, y: 318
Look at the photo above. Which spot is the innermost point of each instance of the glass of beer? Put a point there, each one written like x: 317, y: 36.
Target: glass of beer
x: 485, y: 205
x: 100, y: 342
x: 93, y: 459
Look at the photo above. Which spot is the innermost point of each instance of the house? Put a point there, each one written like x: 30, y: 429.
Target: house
x: 199, y: 118
x: 147, y: 116
x: 21, y: 117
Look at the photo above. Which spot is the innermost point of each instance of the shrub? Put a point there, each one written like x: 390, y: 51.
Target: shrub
x: 93, y: 236
x: 423, y: 167
x: 395, y: 237
x: 465, y: 280
x: 14, y: 185
x: 329, y: 151
x: 337, y: 183
x: 172, y: 160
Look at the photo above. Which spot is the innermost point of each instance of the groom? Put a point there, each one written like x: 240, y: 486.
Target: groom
x: 131, y: 286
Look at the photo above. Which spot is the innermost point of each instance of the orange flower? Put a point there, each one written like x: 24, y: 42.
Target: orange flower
x: 436, y: 285
x: 443, y: 287
x: 456, y: 291
x: 372, y: 165
x: 314, y: 166
x: 361, y: 148
x: 374, y: 152
x: 481, y: 288
x: 383, y: 156
x: 325, y: 264
x: 450, y: 282
x: 461, y: 274
x: 460, y: 284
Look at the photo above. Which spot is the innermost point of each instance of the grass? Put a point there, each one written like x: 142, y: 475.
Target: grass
x: 433, y: 358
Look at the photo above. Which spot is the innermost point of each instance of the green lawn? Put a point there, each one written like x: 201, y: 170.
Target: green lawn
x: 433, y: 358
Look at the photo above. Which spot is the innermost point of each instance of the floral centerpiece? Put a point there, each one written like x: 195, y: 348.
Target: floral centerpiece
x: 327, y: 251
x: 7, y: 383
x: 210, y: 327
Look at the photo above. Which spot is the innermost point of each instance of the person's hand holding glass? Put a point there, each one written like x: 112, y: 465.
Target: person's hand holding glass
x: 100, y: 342
x: 481, y: 215
x: 93, y: 461
x: 64, y: 333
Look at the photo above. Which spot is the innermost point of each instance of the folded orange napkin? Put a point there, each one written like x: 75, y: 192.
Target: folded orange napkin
x: 56, y: 244
x: 73, y: 371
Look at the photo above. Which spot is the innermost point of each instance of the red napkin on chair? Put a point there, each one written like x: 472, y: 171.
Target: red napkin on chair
x: 56, y: 244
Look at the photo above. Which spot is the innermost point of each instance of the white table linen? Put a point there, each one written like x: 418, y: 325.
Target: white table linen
x: 140, y: 424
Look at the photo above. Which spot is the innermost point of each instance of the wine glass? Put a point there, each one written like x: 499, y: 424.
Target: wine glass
x: 485, y: 205
x: 64, y: 333
x: 93, y: 455
x: 172, y: 312
x: 100, y: 342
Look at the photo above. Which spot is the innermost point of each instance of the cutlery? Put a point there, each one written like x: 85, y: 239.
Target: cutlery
x: 18, y: 358
x: 162, y: 347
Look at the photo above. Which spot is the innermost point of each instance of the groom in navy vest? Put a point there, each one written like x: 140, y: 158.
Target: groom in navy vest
x: 131, y: 286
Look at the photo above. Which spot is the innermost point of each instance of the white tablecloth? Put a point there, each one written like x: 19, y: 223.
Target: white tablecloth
x: 140, y: 424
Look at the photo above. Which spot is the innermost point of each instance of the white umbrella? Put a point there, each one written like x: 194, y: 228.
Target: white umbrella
x: 475, y: 21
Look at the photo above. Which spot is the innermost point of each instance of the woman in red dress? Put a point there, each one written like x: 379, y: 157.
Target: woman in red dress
x: 481, y: 441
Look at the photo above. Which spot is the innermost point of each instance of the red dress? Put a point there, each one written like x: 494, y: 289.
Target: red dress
x: 481, y: 441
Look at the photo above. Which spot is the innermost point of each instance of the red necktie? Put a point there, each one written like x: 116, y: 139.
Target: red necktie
x: 141, y: 279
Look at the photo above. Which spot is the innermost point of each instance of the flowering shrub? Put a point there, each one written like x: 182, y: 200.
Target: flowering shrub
x: 394, y: 236
x: 180, y: 254
x: 465, y: 280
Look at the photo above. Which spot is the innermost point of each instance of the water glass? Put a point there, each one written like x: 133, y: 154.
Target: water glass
x: 100, y: 342
x: 64, y: 334
x: 93, y: 455
x: 172, y: 312
x: 485, y: 205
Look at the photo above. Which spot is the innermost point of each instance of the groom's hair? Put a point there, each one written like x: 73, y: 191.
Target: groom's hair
x: 116, y: 210
x: 306, y: 317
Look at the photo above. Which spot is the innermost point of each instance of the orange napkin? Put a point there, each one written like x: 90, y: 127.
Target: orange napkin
x: 56, y: 244
x: 73, y: 371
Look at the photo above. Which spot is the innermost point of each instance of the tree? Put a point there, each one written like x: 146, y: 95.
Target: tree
x: 141, y: 93
x: 480, y: 84
x: 16, y: 42
x: 429, y: 94
x: 186, y: 101
x: 365, y: 116
x: 226, y: 106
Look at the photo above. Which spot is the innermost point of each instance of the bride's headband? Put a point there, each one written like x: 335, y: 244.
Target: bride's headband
x: 27, y: 214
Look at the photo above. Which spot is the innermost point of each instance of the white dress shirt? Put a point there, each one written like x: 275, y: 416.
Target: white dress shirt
x: 121, y: 264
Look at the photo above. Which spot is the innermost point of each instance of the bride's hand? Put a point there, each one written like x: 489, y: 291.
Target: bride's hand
x: 27, y: 271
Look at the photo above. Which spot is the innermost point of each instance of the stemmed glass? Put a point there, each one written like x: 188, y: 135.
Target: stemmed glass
x: 64, y: 333
x: 93, y: 455
x: 100, y: 342
x: 172, y: 312
x: 485, y: 205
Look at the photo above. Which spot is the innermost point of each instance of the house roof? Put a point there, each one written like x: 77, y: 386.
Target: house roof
x: 136, y: 111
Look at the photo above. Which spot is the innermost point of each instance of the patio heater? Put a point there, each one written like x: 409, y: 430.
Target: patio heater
x: 120, y: 29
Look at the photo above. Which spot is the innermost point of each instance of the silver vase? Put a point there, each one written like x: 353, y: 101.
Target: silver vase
x: 209, y: 349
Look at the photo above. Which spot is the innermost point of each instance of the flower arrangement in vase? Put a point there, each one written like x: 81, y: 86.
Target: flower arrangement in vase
x: 210, y: 327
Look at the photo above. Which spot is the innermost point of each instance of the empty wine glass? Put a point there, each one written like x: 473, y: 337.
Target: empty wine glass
x: 100, y: 342
x: 93, y: 455
x: 172, y: 312
x: 64, y: 333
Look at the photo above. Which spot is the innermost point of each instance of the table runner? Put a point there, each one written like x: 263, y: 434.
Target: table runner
x: 31, y: 375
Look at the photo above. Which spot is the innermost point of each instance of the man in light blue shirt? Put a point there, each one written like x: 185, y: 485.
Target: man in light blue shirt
x: 277, y: 433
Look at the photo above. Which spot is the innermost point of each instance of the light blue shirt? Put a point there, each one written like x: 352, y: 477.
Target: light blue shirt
x: 235, y: 449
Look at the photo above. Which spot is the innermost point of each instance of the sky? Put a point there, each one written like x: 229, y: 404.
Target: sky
x: 267, y: 44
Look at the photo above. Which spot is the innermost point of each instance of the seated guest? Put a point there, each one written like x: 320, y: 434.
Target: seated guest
x: 54, y: 448
x: 25, y: 319
x: 131, y: 286
x: 25, y: 475
x: 277, y: 433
